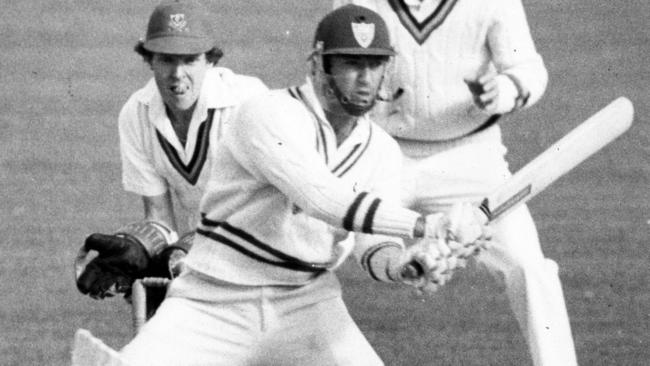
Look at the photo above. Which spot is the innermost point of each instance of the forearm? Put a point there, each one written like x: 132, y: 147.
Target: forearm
x: 335, y: 202
x: 160, y: 209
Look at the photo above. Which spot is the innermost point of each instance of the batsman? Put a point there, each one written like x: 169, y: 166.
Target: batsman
x: 298, y: 172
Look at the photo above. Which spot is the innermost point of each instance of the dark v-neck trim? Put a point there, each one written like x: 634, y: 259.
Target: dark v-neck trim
x: 421, y: 30
x: 192, y: 170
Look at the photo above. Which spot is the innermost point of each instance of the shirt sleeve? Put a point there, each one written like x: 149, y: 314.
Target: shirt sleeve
x: 514, y: 52
x: 387, y: 184
x: 273, y: 138
x: 138, y: 173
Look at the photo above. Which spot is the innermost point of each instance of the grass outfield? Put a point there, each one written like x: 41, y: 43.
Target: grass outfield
x: 67, y: 67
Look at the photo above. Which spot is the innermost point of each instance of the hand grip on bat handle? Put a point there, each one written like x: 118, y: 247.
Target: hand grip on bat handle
x: 411, y: 271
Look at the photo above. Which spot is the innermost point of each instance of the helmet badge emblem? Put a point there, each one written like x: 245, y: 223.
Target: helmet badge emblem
x: 364, y: 33
x: 178, y: 23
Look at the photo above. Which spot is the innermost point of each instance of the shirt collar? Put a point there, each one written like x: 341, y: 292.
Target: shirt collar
x: 360, y: 132
x: 214, y: 94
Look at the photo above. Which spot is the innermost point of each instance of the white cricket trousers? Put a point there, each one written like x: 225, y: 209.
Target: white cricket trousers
x: 204, y: 321
x: 438, y: 174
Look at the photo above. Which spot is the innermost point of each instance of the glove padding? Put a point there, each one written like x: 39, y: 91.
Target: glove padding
x: 120, y: 260
x: 167, y: 263
x: 426, y: 265
x: 464, y: 224
x: 450, y: 239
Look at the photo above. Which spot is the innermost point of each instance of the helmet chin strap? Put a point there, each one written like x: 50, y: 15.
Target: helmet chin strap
x: 352, y: 107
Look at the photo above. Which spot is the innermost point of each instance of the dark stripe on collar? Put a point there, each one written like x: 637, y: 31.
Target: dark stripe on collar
x: 292, y: 93
x: 355, y: 148
x: 421, y: 31
x: 365, y: 147
x: 192, y: 171
x: 296, y: 93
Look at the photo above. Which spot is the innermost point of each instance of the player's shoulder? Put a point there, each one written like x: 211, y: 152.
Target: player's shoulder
x: 272, y: 102
x: 142, y: 96
x: 241, y: 85
x: 273, y: 110
x: 383, y: 140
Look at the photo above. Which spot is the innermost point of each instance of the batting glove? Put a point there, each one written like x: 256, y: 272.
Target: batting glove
x: 426, y: 265
x: 448, y: 242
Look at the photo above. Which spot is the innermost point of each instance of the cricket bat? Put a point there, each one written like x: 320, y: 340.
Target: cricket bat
x: 565, y: 154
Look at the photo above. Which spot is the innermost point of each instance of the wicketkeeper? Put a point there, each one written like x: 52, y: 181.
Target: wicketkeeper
x: 169, y: 132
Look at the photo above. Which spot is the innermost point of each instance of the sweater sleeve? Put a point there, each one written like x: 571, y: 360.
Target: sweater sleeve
x: 273, y: 137
x: 386, y: 184
x: 514, y: 53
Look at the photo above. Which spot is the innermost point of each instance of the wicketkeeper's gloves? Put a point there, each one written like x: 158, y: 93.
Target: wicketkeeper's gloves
x: 167, y: 263
x: 108, y: 264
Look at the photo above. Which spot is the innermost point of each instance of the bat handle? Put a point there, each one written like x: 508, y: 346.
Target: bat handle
x: 485, y: 208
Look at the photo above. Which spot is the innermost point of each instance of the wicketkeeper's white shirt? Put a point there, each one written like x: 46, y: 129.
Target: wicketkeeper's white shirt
x: 283, y: 195
x: 153, y: 159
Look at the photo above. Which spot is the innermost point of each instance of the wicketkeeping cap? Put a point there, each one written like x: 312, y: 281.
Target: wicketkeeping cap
x: 353, y: 30
x: 179, y: 27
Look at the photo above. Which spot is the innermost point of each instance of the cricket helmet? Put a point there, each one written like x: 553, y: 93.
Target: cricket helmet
x: 353, y: 30
x: 349, y: 30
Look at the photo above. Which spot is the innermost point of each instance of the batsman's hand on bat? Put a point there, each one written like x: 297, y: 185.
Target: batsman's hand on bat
x: 448, y: 242
x: 113, y: 263
x: 465, y: 229
x: 426, y: 265
x: 493, y: 93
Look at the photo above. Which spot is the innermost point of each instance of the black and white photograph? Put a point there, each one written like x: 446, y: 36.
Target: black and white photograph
x: 325, y: 182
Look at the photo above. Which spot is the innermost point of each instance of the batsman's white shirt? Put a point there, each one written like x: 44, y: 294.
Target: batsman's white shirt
x: 283, y: 195
x: 154, y: 161
x: 434, y: 57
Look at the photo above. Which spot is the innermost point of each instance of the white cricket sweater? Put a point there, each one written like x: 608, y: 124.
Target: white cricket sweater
x: 283, y: 195
x: 460, y: 39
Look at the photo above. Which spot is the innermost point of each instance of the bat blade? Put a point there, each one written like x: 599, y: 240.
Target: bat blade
x: 565, y: 154
x: 575, y: 147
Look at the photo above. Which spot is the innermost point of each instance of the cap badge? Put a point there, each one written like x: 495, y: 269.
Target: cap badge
x: 364, y: 33
x: 178, y: 23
